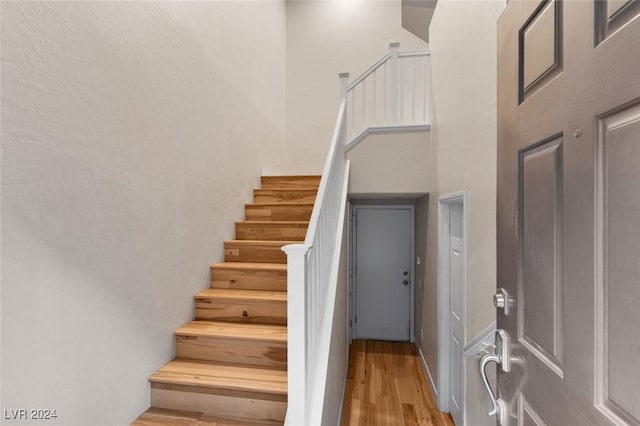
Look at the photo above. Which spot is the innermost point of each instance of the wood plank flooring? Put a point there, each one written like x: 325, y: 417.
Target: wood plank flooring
x: 386, y: 386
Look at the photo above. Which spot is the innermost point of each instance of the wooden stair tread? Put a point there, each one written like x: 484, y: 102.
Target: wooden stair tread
x: 302, y: 176
x: 163, y: 417
x: 278, y: 267
x: 239, y: 294
x: 283, y: 203
x: 274, y: 222
x: 221, y: 376
x: 299, y: 181
x: 261, y: 243
x: 233, y: 330
x: 285, y: 190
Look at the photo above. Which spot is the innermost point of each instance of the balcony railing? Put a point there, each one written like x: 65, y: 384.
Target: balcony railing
x: 393, y: 94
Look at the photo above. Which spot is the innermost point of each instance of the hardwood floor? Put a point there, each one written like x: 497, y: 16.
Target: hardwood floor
x: 386, y: 386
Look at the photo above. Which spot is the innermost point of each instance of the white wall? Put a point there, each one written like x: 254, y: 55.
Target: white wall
x: 463, y: 78
x: 393, y: 163
x: 132, y: 134
x: 325, y: 38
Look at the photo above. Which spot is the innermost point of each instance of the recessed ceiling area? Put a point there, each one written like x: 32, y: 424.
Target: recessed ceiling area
x: 416, y: 16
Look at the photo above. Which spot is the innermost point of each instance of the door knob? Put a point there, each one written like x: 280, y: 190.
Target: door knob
x: 499, y: 408
x: 405, y: 282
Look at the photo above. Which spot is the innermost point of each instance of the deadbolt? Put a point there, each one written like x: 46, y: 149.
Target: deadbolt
x: 498, y: 301
x: 502, y: 301
x: 405, y: 273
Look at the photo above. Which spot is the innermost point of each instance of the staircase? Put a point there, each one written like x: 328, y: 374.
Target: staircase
x: 231, y: 361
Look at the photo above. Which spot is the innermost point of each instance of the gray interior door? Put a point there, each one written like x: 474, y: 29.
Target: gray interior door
x: 383, y: 276
x: 569, y: 211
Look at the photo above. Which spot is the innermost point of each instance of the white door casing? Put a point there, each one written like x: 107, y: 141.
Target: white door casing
x: 451, y: 304
x: 456, y: 311
x: 383, y: 272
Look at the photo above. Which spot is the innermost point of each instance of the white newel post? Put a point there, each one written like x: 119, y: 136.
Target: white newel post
x: 393, y: 50
x: 297, y: 338
x: 344, y: 84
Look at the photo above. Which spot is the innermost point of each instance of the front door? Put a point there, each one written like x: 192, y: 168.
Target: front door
x: 569, y: 211
x: 383, y: 273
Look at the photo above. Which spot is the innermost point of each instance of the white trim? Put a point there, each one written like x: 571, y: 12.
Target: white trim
x: 318, y: 392
x: 386, y: 129
x: 414, y: 54
x: 353, y: 251
x: 477, y: 344
x: 425, y: 367
x: 443, y: 295
x: 344, y: 387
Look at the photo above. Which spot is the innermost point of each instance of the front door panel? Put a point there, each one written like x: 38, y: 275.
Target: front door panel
x: 569, y: 210
x: 383, y: 240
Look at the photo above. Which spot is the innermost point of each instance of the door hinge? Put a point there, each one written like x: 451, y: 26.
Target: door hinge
x: 356, y: 319
x: 350, y: 324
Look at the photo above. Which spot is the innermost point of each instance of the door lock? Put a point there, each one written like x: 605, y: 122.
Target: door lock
x: 501, y: 300
x: 405, y: 282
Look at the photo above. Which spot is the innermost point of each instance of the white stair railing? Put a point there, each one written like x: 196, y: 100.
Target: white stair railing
x: 312, y: 273
x: 391, y: 95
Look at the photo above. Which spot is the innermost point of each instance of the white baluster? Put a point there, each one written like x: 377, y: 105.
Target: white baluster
x: 413, y: 92
x: 364, y: 104
x: 373, y: 100
x: 384, y: 96
x: 424, y: 91
x: 401, y: 92
x: 393, y: 49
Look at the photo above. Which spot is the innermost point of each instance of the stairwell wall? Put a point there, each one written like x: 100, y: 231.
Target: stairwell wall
x: 463, y: 44
x: 325, y: 38
x: 132, y: 135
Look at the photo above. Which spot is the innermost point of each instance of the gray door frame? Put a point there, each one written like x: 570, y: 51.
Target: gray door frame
x: 352, y: 267
x: 444, y: 311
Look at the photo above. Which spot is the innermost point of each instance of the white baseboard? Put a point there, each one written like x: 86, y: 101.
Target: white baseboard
x: 344, y: 389
x: 425, y: 367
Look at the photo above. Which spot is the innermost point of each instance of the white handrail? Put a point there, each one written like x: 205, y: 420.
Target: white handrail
x: 311, y: 285
x: 370, y: 71
x: 405, y: 88
x: 326, y: 174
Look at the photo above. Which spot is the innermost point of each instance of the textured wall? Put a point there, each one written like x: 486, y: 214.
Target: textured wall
x: 132, y: 133
x: 392, y: 163
x: 325, y: 38
x: 463, y: 44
